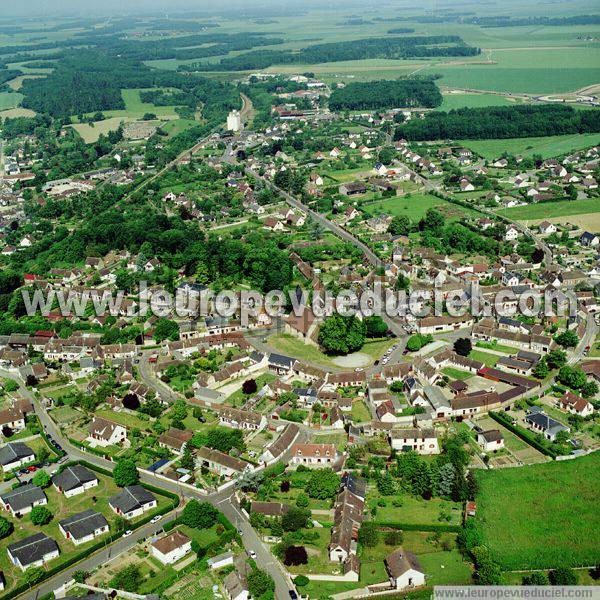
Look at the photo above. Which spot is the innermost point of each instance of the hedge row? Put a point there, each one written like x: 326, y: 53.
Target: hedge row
x: 441, y: 527
x: 101, y: 544
x: 87, y: 448
x: 524, y: 434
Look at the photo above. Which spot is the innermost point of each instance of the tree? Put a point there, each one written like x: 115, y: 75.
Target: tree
x: 40, y: 515
x: 541, y: 370
x: 260, y: 583
x: 166, y: 329
x: 34, y: 575
x: 400, y: 225
x: 563, y: 576
x: 41, y: 479
x: 342, y: 335
x: 249, y: 386
x: 296, y: 518
x: 187, y: 458
x: 445, y: 479
x: 537, y: 256
x: 536, y: 578
x: 199, y: 515
x: 128, y: 578
x: 572, y: 377
x: 368, y: 534
x: 131, y: 401
x: 386, y: 484
x: 295, y: 555
x: 487, y: 571
x: 567, y: 339
x: 6, y: 527
x: 10, y: 385
x: 376, y: 326
x: 301, y: 581
x: 125, y: 473
x: 463, y: 346
x: 80, y: 576
x: 589, y: 389
x: 433, y: 220
x: 394, y: 538
x: 323, y: 484
x: 302, y: 500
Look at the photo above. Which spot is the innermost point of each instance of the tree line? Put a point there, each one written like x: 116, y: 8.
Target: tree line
x: 374, y: 95
x: 499, y: 122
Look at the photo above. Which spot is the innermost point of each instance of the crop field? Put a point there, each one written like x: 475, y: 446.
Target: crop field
x: 547, y: 147
x: 414, y: 206
x: 541, y: 516
x: 91, y: 133
x: 135, y: 108
x: 9, y: 100
x: 457, y: 100
x: 551, y: 210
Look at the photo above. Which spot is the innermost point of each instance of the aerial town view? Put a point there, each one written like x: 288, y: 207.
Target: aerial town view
x: 299, y: 299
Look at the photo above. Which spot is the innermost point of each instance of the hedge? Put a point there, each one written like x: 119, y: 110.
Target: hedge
x: 88, y: 449
x: 113, y: 537
x: 525, y: 435
x: 441, y: 527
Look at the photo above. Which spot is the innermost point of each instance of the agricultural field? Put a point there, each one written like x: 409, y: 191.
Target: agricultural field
x: 551, y: 210
x: 541, y: 516
x: 460, y: 100
x: 414, y: 206
x: 10, y: 100
x: 547, y: 147
x: 90, y: 133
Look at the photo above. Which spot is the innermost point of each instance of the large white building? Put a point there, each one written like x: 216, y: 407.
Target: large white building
x: 234, y: 121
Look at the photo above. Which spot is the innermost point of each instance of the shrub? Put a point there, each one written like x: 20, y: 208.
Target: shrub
x: 295, y: 555
x: 40, y: 515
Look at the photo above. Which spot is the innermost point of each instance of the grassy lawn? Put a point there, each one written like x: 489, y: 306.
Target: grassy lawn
x: 10, y: 100
x: 291, y: 346
x: 496, y: 347
x: 64, y: 414
x: 445, y: 568
x: 123, y: 418
x: 91, y: 133
x: 457, y: 373
x: 548, y: 210
x: 238, y: 397
x: 376, y: 348
x: 548, y: 147
x: 488, y: 359
x: 541, y: 516
x: 417, y: 511
x: 360, y: 413
x: 414, y: 206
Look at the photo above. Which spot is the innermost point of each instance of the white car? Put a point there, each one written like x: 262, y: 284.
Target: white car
x: 156, y: 519
x: 252, y: 554
x: 127, y: 533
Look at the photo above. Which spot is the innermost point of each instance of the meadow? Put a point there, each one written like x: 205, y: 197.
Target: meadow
x: 550, y: 210
x: 547, y: 147
x: 10, y: 100
x: 541, y: 516
x: 456, y: 100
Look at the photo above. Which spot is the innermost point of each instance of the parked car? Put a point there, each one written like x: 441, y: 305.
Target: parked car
x: 156, y: 519
x: 293, y: 595
x: 251, y: 554
x: 127, y: 533
x: 32, y: 469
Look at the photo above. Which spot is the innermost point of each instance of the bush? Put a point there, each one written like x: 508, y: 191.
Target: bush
x: 368, y: 534
x: 40, y: 515
x: 199, y: 515
x: 128, y: 579
x: 6, y: 527
x: 41, y: 479
x: 563, y: 576
x: 301, y: 581
x: 394, y: 538
x: 295, y: 555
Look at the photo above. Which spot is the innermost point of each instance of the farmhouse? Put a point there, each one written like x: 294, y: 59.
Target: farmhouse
x: 21, y: 500
x: 422, y: 441
x: 15, y: 455
x: 83, y: 527
x: 241, y: 419
x: 132, y: 501
x: 404, y: 570
x: 74, y: 480
x: 32, y: 551
x: 314, y: 454
x: 171, y: 548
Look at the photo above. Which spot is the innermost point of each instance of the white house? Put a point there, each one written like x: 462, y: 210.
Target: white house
x: 220, y: 561
x: 171, y: 548
x: 546, y: 227
x: 107, y: 433
x: 314, y: 454
x: 404, y: 570
x: 14, y: 455
x: 422, y: 441
x: 490, y: 440
x: 13, y: 419
x: 83, y: 527
x: 33, y: 551
x: 575, y: 404
x: 74, y: 480
x: 21, y: 500
x: 132, y: 501
x: 512, y: 233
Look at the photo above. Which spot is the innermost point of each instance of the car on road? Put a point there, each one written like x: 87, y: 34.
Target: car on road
x: 293, y: 595
x: 32, y: 469
x: 251, y: 554
x: 156, y: 519
x: 23, y: 471
x: 127, y: 533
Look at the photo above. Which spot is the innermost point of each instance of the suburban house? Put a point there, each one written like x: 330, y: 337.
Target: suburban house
x: 106, y: 433
x: 547, y: 227
x: 490, y: 440
x: 576, y: 404
x: 33, y: 551
x: 11, y: 419
x: 175, y: 439
x: 275, y: 449
x: 219, y: 462
x: 21, y: 500
x: 589, y: 239
x: 84, y: 526
x: 236, y: 582
x: 422, y: 441
x: 171, y: 548
x: 74, y: 480
x: 241, y: 419
x: 404, y: 570
x: 542, y: 423
x: 220, y: 561
x: 314, y: 454
x: 132, y: 501
x: 14, y: 455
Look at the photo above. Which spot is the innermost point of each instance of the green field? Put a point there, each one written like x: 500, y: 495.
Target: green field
x: 488, y: 359
x: 541, y: 516
x: 550, y: 210
x: 414, y: 206
x: 10, y: 100
x: 90, y: 134
x: 474, y: 101
x: 547, y: 147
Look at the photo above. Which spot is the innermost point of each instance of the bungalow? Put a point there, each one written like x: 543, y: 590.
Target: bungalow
x: 314, y: 454
x: 490, y: 440
x: 404, y: 570
x: 21, y: 500
x: 84, y: 526
x: 220, y: 463
x: 132, y: 501
x: 33, y: 551
x: 422, y: 441
x: 588, y: 239
x: 542, y: 423
x: 353, y: 188
x: 171, y: 548
x: 74, y: 480
x: 576, y: 404
x: 14, y: 455
x: 107, y: 433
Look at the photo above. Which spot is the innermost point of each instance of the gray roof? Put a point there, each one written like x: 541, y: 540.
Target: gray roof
x: 546, y: 423
x: 23, y: 497
x: 280, y: 360
x: 131, y: 498
x: 83, y: 524
x: 436, y: 397
x: 73, y: 477
x: 14, y: 451
x: 32, y: 549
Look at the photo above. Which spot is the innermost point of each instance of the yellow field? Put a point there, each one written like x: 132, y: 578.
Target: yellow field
x: 589, y: 221
x: 12, y: 113
x: 17, y: 83
x: 91, y: 134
